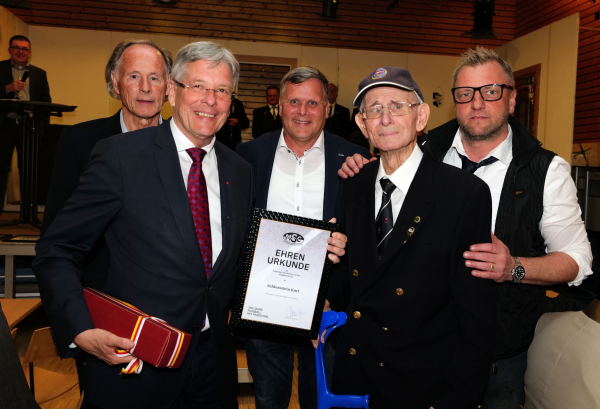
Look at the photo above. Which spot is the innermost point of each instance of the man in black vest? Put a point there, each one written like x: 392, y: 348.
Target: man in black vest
x: 538, y: 236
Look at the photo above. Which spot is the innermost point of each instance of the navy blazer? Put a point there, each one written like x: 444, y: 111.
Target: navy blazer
x: 133, y: 193
x: 425, y: 332
x: 260, y: 153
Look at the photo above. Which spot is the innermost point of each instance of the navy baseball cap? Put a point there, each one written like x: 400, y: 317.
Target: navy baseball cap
x: 388, y: 77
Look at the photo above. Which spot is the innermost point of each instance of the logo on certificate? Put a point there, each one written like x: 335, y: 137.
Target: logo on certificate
x: 293, y: 238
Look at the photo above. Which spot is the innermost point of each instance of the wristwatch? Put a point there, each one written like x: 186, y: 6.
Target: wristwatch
x: 518, y: 273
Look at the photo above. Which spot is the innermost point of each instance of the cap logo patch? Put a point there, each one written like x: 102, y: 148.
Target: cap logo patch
x: 379, y: 73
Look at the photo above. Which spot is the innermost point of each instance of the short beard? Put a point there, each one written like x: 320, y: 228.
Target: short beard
x: 489, y: 134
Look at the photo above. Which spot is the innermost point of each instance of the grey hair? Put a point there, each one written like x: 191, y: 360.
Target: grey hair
x: 207, y: 51
x: 480, y: 56
x: 302, y: 74
x: 115, y: 61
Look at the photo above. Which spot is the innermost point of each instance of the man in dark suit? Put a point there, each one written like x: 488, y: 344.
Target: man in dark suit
x: 420, y: 327
x: 230, y: 134
x: 173, y: 254
x: 276, y: 158
x: 337, y: 115
x: 266, y: 119
x: 34, y: 88
x: 142, y: 101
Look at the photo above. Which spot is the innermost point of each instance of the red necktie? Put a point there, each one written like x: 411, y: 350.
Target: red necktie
x: 196, y: 190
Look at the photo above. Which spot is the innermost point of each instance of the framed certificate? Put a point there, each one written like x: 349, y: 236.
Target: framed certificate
x: 286, y: 273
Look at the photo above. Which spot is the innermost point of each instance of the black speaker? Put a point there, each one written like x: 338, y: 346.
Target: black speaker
x: 483, y: 15
x: 329, y: 8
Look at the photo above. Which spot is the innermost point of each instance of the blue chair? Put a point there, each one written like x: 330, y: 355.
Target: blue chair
x: 325, y: 399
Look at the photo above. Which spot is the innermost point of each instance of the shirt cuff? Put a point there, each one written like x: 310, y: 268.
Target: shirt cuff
x: 584, y: 262
x: 72, y: 345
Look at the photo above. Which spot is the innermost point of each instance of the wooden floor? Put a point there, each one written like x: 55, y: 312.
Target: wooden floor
x: 69, y: 400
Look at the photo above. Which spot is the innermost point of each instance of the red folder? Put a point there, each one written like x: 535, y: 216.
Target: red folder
x: 157, y: 343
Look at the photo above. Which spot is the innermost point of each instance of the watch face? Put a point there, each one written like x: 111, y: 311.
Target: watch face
x: 518, y: 274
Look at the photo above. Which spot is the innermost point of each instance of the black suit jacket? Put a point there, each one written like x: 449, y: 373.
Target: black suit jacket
x: 38, y: 85
x: 232, y: 137
x: 260, y: 153
x: 72, y: 156
x: 263, y: 122
x: 339, y: 123
x: 425, y: 334
x: 133, y: 192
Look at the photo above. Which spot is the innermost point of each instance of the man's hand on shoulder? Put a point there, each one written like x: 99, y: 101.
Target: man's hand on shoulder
x: 102, y: 344
x: 353, y: 165
x: 336, y: 245
x: 490, y: 260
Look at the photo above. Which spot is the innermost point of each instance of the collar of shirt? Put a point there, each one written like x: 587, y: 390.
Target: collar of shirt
x: 124, y: 127
x: 18, y: 67
x: 273, y: 106
x: 404, y: 175
x: 319, y: 144
x: 502, y: 152
x: 182, y: 142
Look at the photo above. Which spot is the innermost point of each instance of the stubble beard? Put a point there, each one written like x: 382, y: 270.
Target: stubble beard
x: 491, y: 132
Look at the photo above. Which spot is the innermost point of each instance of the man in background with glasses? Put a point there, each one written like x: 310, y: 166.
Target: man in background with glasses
x: 34, y: 88
x: 420, y: 327
x: 538, y: 236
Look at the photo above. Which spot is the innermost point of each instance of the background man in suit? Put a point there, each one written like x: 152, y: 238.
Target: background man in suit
x: 296, y: 173
x: 173, y: 254
x: 337, y: 115
x: 539, y: 238
x: 230, y: 134
x: 35, y: 88
x: 266, y: 119
x: 420, y: 326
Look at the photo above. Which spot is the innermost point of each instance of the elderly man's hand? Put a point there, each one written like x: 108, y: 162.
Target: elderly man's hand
x: 315, y: 342
x: 15, y: 86
x: 102, y: 344
x: 353, y: 165
x: 490, y: 260
x: 337, y: 244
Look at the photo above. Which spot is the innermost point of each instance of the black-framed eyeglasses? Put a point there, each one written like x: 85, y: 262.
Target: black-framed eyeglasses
x: 490, y: 92
x: 395, y: 109
x: 25, y: 50
x: 220, y: 93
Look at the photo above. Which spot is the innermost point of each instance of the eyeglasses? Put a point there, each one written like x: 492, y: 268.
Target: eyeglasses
x: 395, y: 109
x: 491, y: 92
x: 201, y: 90
x: 25, y: 50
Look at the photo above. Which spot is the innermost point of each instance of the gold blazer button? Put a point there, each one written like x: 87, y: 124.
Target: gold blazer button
x: 399, y: 291
x: 357, y: 314
x: 352, y: 351
x: 355, y: 273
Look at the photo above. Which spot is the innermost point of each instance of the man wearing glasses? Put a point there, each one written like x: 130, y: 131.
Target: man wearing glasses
x: 538, y: 236
x: 34, y: 88
x: 420, y: 327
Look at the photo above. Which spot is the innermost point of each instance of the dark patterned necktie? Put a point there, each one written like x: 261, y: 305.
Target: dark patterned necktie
x: 384, y: 223
x: 198, y: 195
x: 470, y: 166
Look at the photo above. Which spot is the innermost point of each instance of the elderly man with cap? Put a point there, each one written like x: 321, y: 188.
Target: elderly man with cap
x: 420, y: 327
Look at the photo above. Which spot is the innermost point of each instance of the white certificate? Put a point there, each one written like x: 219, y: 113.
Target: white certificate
x: 286, y: 274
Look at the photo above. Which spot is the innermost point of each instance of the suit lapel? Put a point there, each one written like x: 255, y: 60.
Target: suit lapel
x: 227, y: 205
x: 333, y: 162
x: 264, y: 165
x: 415, y: 210
x: 112, y: 126
x: 169, y: 168
x: 361, y: 225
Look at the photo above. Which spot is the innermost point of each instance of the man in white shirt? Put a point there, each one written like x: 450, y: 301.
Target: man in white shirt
x: 538, y: 235
x: 296, y: 173
x: 420, y: 327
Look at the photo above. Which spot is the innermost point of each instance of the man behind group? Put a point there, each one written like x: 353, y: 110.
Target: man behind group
x: 337, y: 115
x: 173, y: 254
x: 230, y: 134
x: 266, y: 119
x: 34, y: 88
x: 296, y: 173
x: 137, y: 73
x: 539, y: 237
x: 420, y: 327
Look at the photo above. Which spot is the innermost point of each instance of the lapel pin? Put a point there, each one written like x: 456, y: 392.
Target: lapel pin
x: 340, y: 154
x: 411, y: 231
x: 417, y: 219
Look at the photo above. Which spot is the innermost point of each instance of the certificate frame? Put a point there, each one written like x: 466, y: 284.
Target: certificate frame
x: 22, y: 238
x: 256, y: 327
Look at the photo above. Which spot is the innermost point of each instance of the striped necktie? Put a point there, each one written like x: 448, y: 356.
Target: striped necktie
x: 384, y: 223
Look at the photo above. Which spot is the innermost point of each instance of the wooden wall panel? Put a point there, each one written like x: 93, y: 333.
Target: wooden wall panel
x: 425, y: 26
x: 534, y: 14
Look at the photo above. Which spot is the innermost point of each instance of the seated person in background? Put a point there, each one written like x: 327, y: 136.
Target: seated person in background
x: 420, y: 326
x: 266, y: 119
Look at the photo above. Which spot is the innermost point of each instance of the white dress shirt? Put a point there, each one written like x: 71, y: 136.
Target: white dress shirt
x: 124, y: 127
x: 561, y: 225
x: 298, y: 183
x: 211, y: 174
x: 402, y: 178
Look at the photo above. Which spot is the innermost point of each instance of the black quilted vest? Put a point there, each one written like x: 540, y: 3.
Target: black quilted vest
x: 519, y: 306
